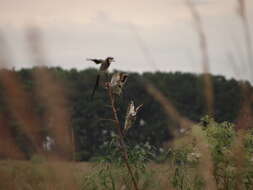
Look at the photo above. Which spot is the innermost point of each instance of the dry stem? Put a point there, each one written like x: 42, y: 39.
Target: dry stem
x: 120, y: 137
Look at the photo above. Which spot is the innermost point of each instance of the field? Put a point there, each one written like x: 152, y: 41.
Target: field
x: 26, y: 175
x: 211, y: 156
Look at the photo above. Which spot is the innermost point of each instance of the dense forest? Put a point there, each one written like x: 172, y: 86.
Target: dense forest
x: 90, y: 119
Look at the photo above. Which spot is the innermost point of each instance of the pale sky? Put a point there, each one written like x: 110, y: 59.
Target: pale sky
x: 142, y: 35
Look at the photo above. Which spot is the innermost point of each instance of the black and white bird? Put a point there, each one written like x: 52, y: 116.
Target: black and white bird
x: 104, y: 65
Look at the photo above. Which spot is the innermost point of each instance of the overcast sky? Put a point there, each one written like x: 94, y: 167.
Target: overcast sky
x: 142, y: 35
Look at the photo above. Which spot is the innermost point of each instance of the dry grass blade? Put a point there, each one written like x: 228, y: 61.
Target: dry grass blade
x: 208, y: 88
x: 236, y: 69
x: 170, y: 110
x: 245, y: 119
x: 51, y: 92
x: 240, y: 161
x: 18, y: 100
x: 143, y: 47
x: 206, y: 165
x: 8, y: 146
x: 248, y: 40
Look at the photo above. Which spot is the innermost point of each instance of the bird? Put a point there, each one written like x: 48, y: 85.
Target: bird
x: 117, y: 82
x: 131, y: 115
x: 104, y: 65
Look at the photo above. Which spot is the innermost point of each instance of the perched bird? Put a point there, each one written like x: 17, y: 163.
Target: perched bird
x: 131, y: 115
x: 117, y: 82
x: 104, y: 65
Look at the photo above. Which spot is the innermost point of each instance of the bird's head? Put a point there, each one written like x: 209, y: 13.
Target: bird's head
x: 110, y: 59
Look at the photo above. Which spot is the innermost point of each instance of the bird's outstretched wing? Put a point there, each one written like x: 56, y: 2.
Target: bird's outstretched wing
x: 97, y: 61
x: 95, y: 87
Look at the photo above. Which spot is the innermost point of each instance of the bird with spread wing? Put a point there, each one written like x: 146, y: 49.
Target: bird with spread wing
x: 104, y: 65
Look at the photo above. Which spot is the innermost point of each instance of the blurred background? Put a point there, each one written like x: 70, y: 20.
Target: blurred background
x: 162, y: 32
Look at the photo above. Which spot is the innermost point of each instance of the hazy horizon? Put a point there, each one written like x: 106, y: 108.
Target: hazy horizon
x: 140, y: 35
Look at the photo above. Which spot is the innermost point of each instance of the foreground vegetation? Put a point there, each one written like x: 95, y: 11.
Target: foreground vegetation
x: 211, y: 154
x: 90, y: 120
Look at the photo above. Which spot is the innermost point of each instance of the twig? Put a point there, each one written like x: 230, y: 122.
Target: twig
x: 120, y: 137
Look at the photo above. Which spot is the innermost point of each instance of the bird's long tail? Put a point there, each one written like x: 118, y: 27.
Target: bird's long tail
x: 95, y: 87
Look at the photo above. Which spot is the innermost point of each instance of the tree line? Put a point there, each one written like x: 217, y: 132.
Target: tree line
x: 91, y: 119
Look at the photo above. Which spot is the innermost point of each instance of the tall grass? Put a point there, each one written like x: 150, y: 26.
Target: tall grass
x: 208, y: 155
